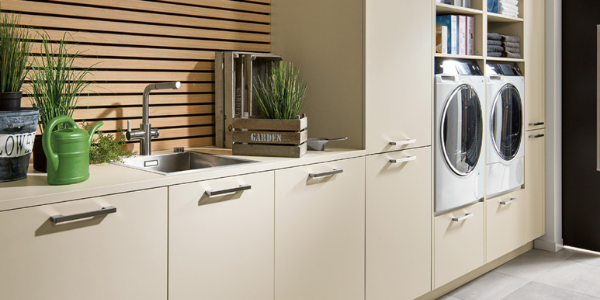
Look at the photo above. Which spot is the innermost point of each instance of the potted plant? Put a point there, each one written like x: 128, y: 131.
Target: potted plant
x: 14, y: 55
x: 55, y: 88
x: 280, y: 130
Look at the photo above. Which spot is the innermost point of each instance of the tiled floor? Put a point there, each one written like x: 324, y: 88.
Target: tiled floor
x: 568, y: 274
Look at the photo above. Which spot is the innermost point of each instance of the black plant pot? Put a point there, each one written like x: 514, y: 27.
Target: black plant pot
x: 10, y: 101
x: 39, y: 157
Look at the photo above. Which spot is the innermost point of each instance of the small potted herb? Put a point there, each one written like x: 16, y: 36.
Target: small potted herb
x: 55, y: 87
x: 281, y: 130
x: 14, y: 54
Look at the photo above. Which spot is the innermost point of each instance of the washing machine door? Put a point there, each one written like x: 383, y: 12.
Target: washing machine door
x: 462, y: 130
x: 506, y: 122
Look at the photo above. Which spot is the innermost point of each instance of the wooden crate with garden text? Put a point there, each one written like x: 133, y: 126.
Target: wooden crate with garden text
x: 270, y: 137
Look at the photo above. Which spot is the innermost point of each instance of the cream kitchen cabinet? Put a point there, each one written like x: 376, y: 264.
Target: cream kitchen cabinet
x: 221, y: 238
x: 56, y: 252
x: 399, y: 206
x: 535, y: 176
x: 458, y: 243
x: 505, y: 220
x: 535, y: 59
x: 320, y: 231
x: 368, y: 66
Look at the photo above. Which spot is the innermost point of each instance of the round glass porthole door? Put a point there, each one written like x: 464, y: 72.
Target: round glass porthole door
x: 462, y: 130
x: 506, y: 122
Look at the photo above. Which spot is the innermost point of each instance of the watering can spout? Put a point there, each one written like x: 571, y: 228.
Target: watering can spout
x: 93, y: 131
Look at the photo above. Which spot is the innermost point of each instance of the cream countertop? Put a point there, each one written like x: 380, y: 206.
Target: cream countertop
x: 106, y: 179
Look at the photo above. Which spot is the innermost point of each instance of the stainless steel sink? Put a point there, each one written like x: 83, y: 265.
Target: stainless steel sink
x: 177, y: 163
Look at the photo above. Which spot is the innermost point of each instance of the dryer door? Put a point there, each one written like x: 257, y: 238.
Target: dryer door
x: 462, y: 130
x: 506, y: 122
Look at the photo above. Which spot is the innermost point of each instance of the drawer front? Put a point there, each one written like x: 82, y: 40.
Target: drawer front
x: 505, y: 224
x: 221, y: 246
x: 120, y: 255
x: 320, y: 228
x: 399, y: 206
x: 458, y: 245
x: 535, y: 176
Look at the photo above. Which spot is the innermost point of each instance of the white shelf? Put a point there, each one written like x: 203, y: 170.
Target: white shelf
x: 458, y: 56
x: 451, y: 9
x: 517, y: 60
x: 494, y: 17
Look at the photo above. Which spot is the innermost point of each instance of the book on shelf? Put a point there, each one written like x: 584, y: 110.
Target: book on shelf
x: 462, y: 35
x: 451, y: 22
x: 441, y: 39
x: 470, y: 36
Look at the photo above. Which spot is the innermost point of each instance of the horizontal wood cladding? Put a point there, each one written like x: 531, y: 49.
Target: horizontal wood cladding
x: 131, y: 43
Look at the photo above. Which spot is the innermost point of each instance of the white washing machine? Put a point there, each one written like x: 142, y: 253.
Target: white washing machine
x: 505, y: 158
x: 459, y: 133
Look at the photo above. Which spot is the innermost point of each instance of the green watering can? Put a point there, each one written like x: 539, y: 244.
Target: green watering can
x: 67, y: 151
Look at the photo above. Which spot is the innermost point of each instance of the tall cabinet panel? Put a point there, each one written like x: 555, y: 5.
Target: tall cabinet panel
x: 398, y: 74
x: 534, y: 51
x: 535, y: 172
x: 399, y: 204
x: 320, y: 231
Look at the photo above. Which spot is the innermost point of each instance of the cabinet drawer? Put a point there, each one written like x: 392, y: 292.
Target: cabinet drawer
x: 399, y: 206
x: 120, y: 255
x: 505, y: 224
x: 458, y: 244
x: 320, y: 231
x: 221, y: 246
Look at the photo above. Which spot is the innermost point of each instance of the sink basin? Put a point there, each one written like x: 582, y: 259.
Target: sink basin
x: 177, y: 163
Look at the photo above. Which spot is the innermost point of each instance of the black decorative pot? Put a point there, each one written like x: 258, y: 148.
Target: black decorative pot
x: 39, y: 157
x: 17, y: 135
x: 10, y: 101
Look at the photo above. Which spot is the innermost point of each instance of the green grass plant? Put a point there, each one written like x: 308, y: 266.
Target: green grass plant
x: 14, y: 52
x: 55, y: 82
x: 281, y: 93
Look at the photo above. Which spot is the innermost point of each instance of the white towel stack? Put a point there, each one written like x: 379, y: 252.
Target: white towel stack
x: 508, y: 8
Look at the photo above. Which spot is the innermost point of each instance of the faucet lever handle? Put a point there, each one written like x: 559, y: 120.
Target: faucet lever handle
x: 128, y: 134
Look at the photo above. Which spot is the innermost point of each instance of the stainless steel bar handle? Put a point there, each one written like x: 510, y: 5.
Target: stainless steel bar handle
x: 536, y: 136
x: 402, y: 143
x: 466, y: 216
x: 103, y: 211
x: 403, y: 160
x: 324, y: 174
x: 236, y: 189
x: 536, y: 124
x: 511, y: 200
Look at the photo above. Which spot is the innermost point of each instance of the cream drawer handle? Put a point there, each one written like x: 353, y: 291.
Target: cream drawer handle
x: 536, y: 124
x: 103, y: 211
x: 402, y: 143
x: 509, y: 201
x: 466, y: 216
x: 324, y: 174
x: 212, y: 193
x: 536, y: 136
x: 403, y: 160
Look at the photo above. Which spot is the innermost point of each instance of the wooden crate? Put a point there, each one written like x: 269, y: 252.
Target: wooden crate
x: 266, y: 137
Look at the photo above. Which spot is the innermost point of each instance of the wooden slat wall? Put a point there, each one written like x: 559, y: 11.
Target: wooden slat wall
x: 131, y: 43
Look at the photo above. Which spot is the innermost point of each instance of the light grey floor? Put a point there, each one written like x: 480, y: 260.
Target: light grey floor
x: 568, y: 274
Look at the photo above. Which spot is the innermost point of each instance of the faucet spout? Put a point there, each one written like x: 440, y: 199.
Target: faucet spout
x: 146, y: 132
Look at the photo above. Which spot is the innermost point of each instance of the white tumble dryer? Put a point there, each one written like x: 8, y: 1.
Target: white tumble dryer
x: 505, y: 159
x: 459, y: 131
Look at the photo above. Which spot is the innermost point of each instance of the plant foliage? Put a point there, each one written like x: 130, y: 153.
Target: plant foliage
x: 55, y: 83
x: 14, y: 52
x: 107, y: 147
x: 281, y: 93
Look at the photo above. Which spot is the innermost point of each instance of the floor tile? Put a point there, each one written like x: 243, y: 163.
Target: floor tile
x: 592, y: 259
x: 577, y: 277
x: 534, y: 290
x: 491, y: 286
x: 448, y: 298
x: 534, y: 263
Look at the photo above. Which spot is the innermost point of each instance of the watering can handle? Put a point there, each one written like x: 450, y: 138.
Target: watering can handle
x: 46, y: 138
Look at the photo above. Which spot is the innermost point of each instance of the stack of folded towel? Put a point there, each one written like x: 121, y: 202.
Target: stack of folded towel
x: 512, y: 46
x: 508, y: 8
x: 494, y: 45
x: 499, y: 45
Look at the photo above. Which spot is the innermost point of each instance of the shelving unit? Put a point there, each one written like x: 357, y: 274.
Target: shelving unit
x: 486, y: 22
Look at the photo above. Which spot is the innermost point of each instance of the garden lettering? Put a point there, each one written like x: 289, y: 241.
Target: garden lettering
x: 266, y: 137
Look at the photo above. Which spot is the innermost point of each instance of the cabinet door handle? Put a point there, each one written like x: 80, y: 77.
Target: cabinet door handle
x: 509, y: 201
x: 403, y: 160
x: 324, y: 174
x: 536, y: 136
x: 466, y: 216
x: 211, y: 193
x: 103, y: 211
x: 402, y: 143
x: 536, y: 124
